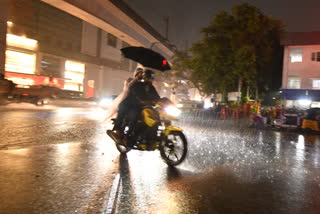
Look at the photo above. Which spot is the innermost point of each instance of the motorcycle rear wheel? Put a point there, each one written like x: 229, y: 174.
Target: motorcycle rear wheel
x: 174, y: 150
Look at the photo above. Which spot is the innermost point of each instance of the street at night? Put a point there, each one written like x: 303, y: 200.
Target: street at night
x: 60, y: 160
x: 159, y: 107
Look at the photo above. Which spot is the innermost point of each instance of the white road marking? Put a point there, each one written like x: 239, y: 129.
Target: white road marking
x: 113, y: 196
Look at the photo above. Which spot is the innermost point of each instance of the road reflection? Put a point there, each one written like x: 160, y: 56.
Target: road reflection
x: 312, y: 139
x: 274, y: 175
x: 126, y: 198
x: 142, y: 186
x: 173, y: 173
x: 227, y: 170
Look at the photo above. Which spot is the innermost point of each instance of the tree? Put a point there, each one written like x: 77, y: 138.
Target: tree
x: 182, y: 69
x: 240, y: 48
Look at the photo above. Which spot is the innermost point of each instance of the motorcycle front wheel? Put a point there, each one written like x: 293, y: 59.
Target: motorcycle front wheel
x: 174, y: 148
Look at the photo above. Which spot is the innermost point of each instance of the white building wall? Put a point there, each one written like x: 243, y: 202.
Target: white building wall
x: 107, y: 81
x: 113, y: 80
x: 285, y: 67
x: 89, y: 39
x: 107, y: 51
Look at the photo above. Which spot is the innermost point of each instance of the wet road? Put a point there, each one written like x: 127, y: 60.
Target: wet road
x: 59, y: 160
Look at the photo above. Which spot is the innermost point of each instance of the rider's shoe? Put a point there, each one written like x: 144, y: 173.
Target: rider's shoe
x: 117, y: 136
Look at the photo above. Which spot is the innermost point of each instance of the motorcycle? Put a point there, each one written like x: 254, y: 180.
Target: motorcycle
x: 153, y: 131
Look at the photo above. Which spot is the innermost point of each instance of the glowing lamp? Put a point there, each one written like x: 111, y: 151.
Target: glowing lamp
x: 304, y: 102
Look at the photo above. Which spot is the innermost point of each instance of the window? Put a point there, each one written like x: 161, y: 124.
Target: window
x: 74, y: 74
x: 51, y: 66
x: 315, y: 56
x: 112, y: 40
x: 20, y: 62
x: 294, y: 83
x: 316, y: 84
x: 296, y: 55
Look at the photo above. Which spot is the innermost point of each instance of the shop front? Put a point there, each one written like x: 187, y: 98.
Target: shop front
x: 25, y: 66
x: 20, y: 62
x: 301, y: 98
x: 74, y: 75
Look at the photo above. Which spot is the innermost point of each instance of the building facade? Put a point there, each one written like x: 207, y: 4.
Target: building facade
x: 301, y: 69
x: 53, y: 43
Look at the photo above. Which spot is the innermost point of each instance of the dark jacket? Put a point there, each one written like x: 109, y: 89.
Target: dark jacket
x: 141, y: 93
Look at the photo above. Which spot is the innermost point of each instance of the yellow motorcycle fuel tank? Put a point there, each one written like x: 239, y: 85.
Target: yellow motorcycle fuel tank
x: 149, y: 117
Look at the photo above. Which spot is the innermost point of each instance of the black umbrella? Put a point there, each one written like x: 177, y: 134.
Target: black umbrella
x: 146, y: 57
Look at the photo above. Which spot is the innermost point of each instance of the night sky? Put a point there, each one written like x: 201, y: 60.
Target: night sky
x: 187, y: 17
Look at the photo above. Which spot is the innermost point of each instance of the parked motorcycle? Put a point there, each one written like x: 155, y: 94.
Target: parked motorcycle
x: 153, y: 130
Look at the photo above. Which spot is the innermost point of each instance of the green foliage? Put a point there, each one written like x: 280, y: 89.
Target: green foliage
x: 241, y: 45
x: 244, y: 100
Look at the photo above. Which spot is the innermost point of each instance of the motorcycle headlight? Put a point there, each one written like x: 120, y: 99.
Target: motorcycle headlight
x: 172, y: 111
x: 106, y: 102
x: 179, y: 105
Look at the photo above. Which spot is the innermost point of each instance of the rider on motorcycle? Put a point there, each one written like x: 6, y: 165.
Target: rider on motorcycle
x: 141, y: 93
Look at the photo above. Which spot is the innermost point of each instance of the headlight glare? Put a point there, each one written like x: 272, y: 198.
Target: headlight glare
x: 172, y: 111
x: 106, y: 102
